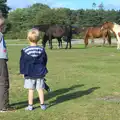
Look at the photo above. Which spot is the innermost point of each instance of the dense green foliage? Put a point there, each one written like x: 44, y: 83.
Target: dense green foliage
x: 4, y: 8
x: 20, y: 20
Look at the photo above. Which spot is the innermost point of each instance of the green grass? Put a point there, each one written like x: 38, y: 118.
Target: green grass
x: 85, y: 85
x: 23, y: 41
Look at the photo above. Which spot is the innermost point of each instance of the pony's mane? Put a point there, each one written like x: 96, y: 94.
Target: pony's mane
x: 111, y: 22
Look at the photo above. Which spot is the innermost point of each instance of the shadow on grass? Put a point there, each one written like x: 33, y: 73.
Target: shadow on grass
x: 61, y: 91
x: 71, y: 96
x: 61, y: 98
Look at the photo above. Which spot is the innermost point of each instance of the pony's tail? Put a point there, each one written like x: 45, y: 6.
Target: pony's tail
x: 109, y: 37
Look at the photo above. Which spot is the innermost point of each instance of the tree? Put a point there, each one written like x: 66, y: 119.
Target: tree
x: 4, y: 8
x: 94, y: 5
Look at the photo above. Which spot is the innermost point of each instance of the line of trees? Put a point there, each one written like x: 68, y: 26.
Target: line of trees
x: 20, y: 20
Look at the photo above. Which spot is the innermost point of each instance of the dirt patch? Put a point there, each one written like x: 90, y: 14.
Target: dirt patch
x: 110, y: 98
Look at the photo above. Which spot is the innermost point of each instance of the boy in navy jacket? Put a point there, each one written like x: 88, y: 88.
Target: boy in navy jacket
x: 33, y: 63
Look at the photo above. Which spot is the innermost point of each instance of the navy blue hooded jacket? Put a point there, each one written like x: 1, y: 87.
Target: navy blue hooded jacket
x: 33, y: 62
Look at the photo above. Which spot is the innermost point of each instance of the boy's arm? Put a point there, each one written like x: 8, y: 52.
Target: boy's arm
x: 44, y: 57
x: 22, y: 62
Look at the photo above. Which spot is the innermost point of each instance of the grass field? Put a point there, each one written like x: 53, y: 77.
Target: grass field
x: 85, y: 85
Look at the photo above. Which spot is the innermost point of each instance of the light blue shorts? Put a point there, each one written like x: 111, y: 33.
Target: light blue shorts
x: 34, y: 83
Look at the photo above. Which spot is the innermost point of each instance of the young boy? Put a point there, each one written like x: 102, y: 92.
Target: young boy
x: 4, y: 78
x: 33, y: 62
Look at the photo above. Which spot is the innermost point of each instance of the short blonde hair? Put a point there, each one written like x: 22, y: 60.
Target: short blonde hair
x: 33, y: 35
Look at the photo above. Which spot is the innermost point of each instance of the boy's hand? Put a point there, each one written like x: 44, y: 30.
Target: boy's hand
x: 20, y: 75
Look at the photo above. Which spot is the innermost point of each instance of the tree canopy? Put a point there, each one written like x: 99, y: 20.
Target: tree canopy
x: 4, y: 8
x: 20, y: 20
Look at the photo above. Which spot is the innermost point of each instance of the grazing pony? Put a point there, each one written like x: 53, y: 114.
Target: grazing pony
x: 96, y: 32
x: 55, y: 31
x: 44, y: 28
x: 115, y: 28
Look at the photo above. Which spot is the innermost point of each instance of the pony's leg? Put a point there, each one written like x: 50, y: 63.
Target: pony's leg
x: 92, y: 41
x: 104, y: 40
x: 44, y: 41
x: 117, y: 45
x: 59, y: 43
x: 66, y: 44
x: 86, y: 41
x: 50, y: 42
x: 109, y: 38
x: 118, y: 42
x: 70, y: 46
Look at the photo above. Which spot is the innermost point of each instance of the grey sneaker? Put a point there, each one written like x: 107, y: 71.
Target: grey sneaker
x: 43, y: 107
x: 29, y: 107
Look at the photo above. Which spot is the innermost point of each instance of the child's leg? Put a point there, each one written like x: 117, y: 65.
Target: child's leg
x: 30, y: 96
x: 30, y: 85
x: 4, y: 95
x: 41, y: 96
x: 40, y: 86
x: 4, y: 85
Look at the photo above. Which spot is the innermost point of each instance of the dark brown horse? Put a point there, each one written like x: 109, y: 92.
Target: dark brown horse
x: 55, y: 31
x: 96, y: 32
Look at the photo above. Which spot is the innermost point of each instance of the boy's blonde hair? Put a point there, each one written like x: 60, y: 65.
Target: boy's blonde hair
x: 33, y: 35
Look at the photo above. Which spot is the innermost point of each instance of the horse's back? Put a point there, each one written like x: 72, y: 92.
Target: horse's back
x: 95, y: 32
x: 42, y: 28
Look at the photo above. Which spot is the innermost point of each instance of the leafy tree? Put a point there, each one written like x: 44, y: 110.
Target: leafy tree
x: 94, y: 5
x: 4, y: 8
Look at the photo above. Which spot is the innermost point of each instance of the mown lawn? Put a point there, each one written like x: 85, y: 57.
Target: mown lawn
x: 85, y: 85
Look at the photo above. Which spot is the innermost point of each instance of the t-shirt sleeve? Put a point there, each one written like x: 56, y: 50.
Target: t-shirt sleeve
x: 21, y: 62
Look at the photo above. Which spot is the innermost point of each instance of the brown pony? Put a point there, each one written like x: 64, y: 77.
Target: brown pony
x: 96, y: 32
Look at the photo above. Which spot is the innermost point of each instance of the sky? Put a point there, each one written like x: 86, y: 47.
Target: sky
x: 72, y: 4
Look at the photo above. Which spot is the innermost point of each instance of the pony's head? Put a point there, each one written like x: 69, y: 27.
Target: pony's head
x: 107, y: 25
